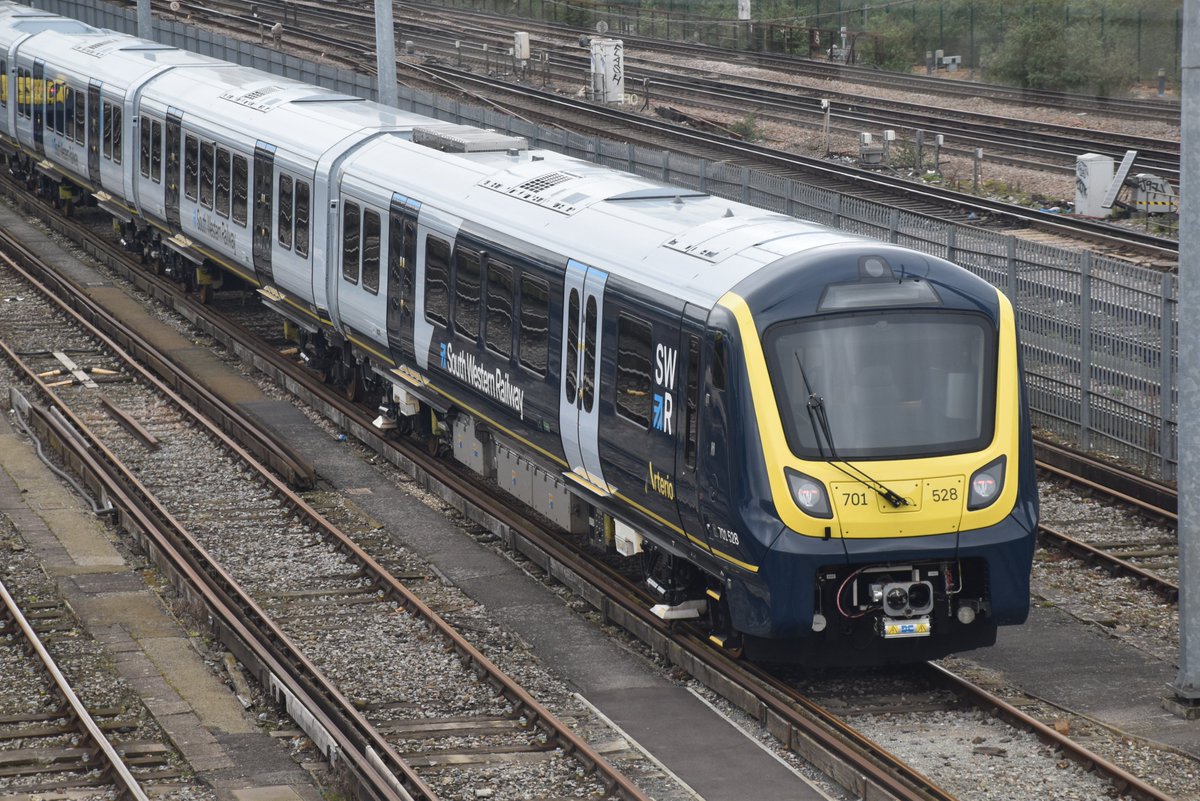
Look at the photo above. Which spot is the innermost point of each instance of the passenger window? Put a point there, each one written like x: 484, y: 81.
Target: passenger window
x: 106, y: 125
x: 222, y: 182
x: 437, y: 280
x: 206, y: 174
x: 370, y: 257
x: 80, y: 116
x: 467, y: 286
x: 4, y: 78
x: 635, y: 392
x: 396, y: 262
x: 693, y: 391
x: 302, y: 218
x: 117, y: 136
x: 145, y: 147
x: 285, y: 214
x: 350, y: 234
x: 241, y: 172
x: 57, y: 99
x: 156, y: 152
x: 589, y: 355
x: 533, y: 336
x: 191, y: 167
x: 572, y: 346
x: 499, y: 308
x: 24, y: 92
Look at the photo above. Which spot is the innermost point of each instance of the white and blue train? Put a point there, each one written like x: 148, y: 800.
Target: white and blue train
x: 816, y: 441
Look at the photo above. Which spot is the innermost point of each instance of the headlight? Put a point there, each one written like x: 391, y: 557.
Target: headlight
x: 986, y: 484
x: 808, y: 493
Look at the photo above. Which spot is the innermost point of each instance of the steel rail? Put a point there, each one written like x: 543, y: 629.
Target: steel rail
x: 159, y: 372
x: 330, y: 698
x: 115, y: 768
x: 1125, y: 781
x: 168, y: 543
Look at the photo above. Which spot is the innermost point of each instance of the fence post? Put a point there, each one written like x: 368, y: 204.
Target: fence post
x: 1010, y: 242
x: 745, y: 184
x: 1085, y: 351
x: 951, y: 242
x: 893, y: 225
x: 836, y: 212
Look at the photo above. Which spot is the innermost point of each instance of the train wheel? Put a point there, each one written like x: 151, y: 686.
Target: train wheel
x: 352, y: 389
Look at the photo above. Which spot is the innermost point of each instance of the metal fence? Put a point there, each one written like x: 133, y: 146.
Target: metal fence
x: 1100, y: 334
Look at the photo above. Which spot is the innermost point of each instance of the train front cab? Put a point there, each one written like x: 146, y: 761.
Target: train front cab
x: 874, y: 521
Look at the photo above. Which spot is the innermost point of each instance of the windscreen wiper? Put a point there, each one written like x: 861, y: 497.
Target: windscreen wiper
x: 820, y: 423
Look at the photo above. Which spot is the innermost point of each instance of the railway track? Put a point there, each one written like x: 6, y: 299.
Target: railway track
x: 332, y: 32
x: 629, y: 22
x: 1016, y: 141
x: 49, y: 741
x: 1149, y: 558
x: 796, y: 723
x: 266, y: 550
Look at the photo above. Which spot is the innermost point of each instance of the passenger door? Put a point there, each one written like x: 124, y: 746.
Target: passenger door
x: 402, y: 263
x: 93, y: 132
x: 37, y: 101
x: 579, y: 404
x: 687, y: 486
x: 264, y: 177
x: 171, y: 178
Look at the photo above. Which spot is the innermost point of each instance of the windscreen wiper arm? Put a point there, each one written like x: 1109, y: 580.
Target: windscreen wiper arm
x: 820, y: 422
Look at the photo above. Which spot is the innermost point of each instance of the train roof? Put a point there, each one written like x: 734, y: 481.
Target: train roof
x: 114, y: 59
x: 688, y: 243
x: 291, y: 115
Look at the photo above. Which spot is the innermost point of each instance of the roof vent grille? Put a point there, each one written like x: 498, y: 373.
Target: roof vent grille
x: 544, y: 182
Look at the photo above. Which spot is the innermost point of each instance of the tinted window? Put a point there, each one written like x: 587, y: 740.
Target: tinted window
x: 571, y: 374
x: 892, y: 384
x: 222, y: 182
x: 80, y: 116
x: 241, y: 173
x: 106, y: 124
x: 589, y: 355
x: 117, y: 137
x: 437, y: 280
x: 499, y: 308
x: 634, y: 389
x: 145, y: 147
x: 467, y: 287
x: 350, y: 234
x: 370, y: 256
x: 156, y: 152
x: 191, y: 167
x: 533, y: 344
x: 301, y: 218
x: 206, y: 174
x: 285, y: 218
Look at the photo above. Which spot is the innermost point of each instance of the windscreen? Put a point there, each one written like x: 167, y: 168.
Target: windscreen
x: 889, y: 384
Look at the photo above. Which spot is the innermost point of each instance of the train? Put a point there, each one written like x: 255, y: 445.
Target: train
x: 812, y: 444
